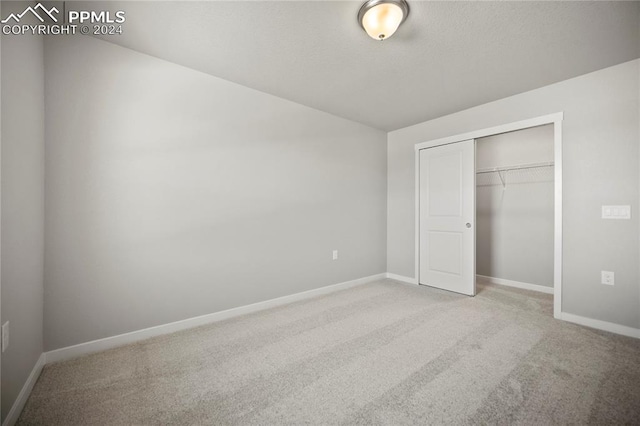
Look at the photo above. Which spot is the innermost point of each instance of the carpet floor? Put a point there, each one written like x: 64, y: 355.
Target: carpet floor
x: 380, y: 353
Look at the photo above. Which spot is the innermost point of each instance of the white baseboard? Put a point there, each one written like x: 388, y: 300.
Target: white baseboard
x: 516, y: 284
x: 136, y: 336
x: 21, y: 400
x: 601, y: 325
x: 401, y: 278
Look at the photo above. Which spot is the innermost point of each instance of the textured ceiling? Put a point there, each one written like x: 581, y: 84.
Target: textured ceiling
x: 448, y: 56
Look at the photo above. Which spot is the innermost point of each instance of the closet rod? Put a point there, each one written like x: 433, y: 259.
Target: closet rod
x: 516, y: 167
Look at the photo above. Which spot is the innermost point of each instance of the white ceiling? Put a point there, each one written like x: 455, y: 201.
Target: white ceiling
x: 448, y: 56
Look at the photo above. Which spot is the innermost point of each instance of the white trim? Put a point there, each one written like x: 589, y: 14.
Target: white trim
x: 556, y: 120
x: 21, y: 400
x: 136, y: 336
x: 516, y: 284
x: 401, y: 278
x: 557, y: 219
x: 601, y: 325
x: 417, y: 220
x: 1, y: 240
x: 496, y: 130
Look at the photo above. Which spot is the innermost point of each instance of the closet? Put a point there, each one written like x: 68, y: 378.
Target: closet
x: 486, y: 212
x: 515, y: 208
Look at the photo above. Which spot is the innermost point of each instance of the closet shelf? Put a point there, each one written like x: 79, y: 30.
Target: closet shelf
x: 515, y: 167
x: 502, y: 171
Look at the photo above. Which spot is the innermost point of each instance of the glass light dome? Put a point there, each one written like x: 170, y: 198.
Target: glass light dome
x: 381, y: 18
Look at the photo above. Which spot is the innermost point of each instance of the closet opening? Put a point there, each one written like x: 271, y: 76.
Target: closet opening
x: 518, y: 163
x: 515, y: 193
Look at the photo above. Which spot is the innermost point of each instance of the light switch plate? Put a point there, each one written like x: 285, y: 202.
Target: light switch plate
x: 335, y: 255
x: 616, y: 212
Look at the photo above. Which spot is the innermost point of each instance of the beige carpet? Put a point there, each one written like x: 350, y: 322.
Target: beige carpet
x: 381, y: 353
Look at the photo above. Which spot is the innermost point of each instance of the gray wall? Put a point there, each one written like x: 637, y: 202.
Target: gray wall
x: 601, y: 139
x: 514, y: 225
x: 171, y: 194
x: 22, y: 174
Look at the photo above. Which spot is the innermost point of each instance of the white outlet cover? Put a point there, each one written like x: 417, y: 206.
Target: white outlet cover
x: 607, y: 277
x: 335, y: 255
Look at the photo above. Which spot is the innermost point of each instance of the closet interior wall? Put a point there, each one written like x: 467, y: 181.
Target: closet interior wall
x: 515, y: 206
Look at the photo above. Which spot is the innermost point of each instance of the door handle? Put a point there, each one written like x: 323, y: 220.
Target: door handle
x: 468, y: 225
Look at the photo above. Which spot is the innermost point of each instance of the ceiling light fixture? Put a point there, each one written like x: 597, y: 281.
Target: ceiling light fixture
x: 381, y: 18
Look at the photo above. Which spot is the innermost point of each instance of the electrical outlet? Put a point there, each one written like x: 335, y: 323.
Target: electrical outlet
x: 335, y: 255
x: 5, y: 336
x: 608, y: 277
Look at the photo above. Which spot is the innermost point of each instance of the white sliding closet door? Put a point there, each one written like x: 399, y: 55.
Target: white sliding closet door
x: 447, y: 217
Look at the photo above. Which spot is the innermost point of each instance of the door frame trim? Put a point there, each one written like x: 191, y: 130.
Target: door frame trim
x: 556, y: 120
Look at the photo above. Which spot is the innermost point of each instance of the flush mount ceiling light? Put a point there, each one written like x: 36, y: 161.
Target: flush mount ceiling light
x: 381, y: 18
